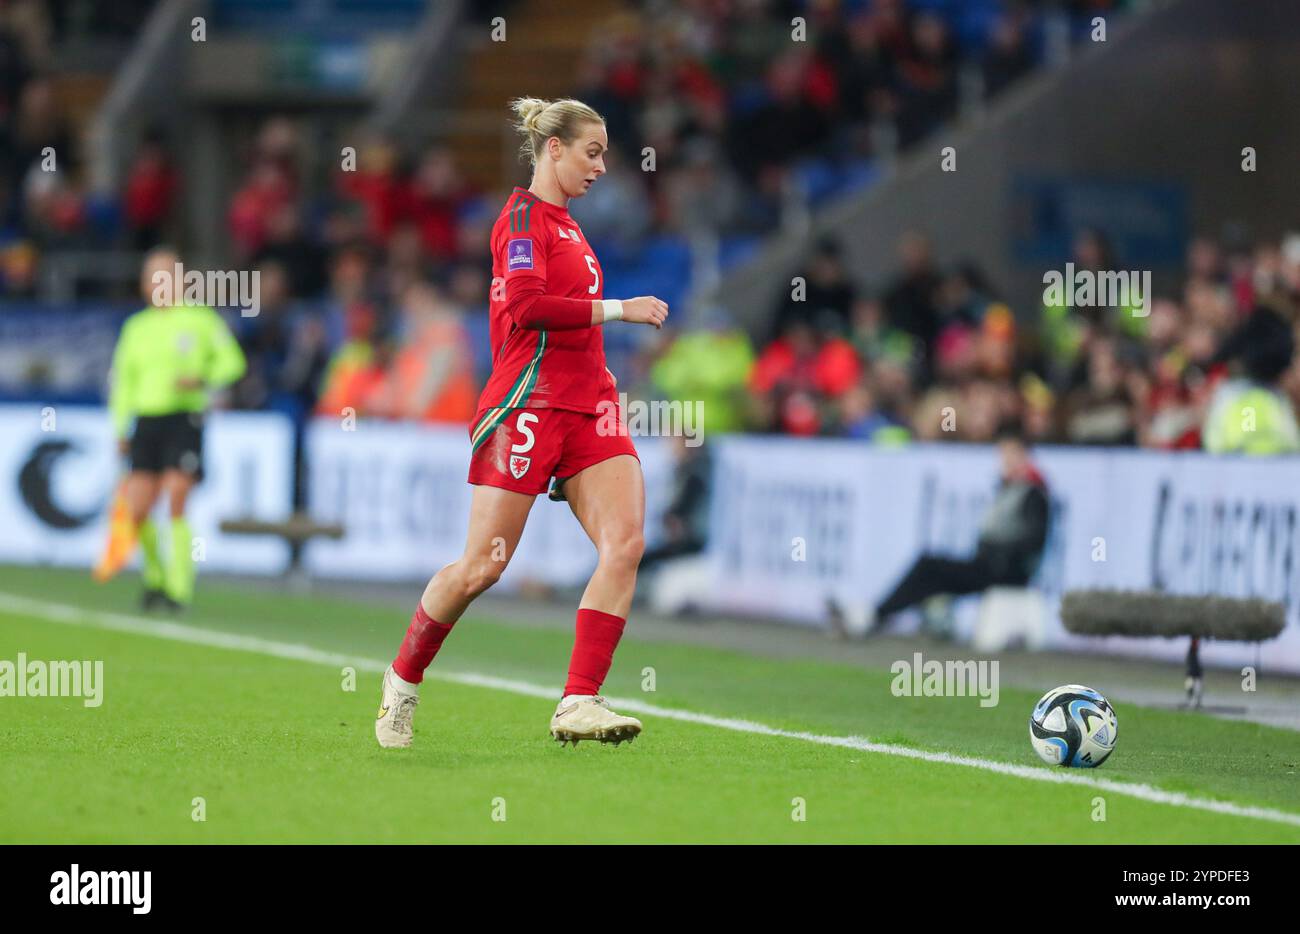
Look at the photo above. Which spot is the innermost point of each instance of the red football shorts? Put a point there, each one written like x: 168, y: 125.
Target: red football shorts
x: 529, y: 446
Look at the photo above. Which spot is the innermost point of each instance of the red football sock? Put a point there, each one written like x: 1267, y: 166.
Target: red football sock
x: 593, y: 651
x: 423, y: 640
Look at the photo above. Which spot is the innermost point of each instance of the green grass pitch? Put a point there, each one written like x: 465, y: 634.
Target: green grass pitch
x: 279, y: 751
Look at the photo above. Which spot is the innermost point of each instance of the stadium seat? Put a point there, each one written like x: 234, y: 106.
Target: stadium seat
x: 737, y: 249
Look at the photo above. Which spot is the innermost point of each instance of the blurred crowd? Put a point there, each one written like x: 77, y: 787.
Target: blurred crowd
x: 369, y: 287
x: 732, y: 107
x: 736, y: 112
x: 45, y: 201
x: 375, y: 273
x: 936, y: 355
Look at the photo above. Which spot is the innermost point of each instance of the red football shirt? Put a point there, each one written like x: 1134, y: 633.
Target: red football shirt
x: 538, y: 250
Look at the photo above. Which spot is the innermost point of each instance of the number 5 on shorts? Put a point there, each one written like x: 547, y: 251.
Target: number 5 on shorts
x: 519, y: 464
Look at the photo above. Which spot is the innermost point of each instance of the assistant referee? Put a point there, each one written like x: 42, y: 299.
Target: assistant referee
x: 168, y: 360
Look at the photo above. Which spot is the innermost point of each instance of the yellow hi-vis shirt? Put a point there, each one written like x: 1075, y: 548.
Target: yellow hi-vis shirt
x: 1245, y: 418
x: 159, y: 347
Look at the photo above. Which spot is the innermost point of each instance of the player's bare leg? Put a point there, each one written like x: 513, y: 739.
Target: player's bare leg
x: 608, y: 499
x: 496, y: 522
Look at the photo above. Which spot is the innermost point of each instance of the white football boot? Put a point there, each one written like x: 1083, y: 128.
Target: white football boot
x: 587, y: 716
x: 396, y: 709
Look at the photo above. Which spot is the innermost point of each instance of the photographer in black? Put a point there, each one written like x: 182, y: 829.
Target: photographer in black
x: 1011, y: 539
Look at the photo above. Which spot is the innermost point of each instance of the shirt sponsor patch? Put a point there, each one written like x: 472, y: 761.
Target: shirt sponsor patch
x: 520, y: 253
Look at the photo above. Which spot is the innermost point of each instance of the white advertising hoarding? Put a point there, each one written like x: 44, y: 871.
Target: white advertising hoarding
x: 793, y: 521
x: 60, y: 465
x: 796, y: 522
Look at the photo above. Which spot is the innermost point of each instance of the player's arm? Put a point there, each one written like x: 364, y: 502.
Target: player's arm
x: 122, y: 383
x: 531, y: 308
x: 644, y: 309
x: 523, y: 257
x: 551, y: 313
x: 543, y: 312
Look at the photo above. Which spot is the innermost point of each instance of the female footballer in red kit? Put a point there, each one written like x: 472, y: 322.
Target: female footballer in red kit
x: 544, y: 413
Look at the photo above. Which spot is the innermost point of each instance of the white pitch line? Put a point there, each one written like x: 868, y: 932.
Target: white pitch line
x: 194, y: 635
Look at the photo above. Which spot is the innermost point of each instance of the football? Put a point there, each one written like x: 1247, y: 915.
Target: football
x: 1073, y: 726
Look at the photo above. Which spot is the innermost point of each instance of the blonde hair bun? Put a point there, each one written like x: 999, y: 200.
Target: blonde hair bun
x: 538, y: 120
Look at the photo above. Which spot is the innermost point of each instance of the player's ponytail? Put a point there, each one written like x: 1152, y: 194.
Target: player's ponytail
x: 539, y: 120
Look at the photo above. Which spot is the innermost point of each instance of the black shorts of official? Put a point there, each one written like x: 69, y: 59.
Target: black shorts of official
x: 169, y: 442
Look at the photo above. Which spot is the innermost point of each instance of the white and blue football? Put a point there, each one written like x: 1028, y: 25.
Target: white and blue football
x: 1073, y: 726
